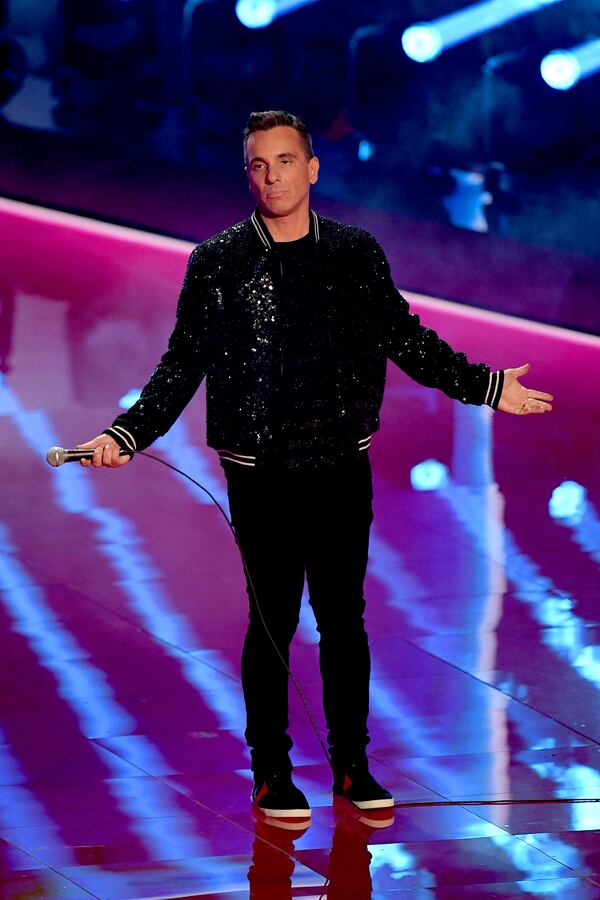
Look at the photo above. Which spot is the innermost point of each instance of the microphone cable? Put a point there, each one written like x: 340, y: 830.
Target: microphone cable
x: 518, y: 801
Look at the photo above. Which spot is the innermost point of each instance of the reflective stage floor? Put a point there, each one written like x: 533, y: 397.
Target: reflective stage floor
x: 123, y: 771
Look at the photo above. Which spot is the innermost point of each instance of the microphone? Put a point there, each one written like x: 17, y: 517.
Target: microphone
x: 58, y: 456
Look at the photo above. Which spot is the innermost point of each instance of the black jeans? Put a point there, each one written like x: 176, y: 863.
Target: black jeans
x: 289, y: 524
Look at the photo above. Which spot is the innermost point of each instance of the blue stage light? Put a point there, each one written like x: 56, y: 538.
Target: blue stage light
x: 365, y: 150
x: 429, y: 475
x: 424, y: 41
x: 562, y: 69
x: 256, y: 13
x: 260, y: 13
x: 568, y: 501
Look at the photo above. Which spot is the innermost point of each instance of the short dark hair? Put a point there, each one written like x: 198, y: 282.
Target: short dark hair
x: 271, y: 118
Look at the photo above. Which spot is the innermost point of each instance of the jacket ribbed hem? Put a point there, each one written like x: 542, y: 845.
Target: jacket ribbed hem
x: 243, y: 459
x: 124, y: 438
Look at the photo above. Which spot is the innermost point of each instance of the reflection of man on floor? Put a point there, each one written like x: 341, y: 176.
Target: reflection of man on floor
x: 348, y: 874
x: 292, y: 317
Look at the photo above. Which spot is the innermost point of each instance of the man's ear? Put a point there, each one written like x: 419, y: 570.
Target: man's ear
x: 313, y: 168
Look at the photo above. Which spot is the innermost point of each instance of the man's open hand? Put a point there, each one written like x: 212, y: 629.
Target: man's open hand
x: 519, y: 400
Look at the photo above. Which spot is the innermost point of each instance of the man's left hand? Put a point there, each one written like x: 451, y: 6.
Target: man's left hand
x: 519, y: 400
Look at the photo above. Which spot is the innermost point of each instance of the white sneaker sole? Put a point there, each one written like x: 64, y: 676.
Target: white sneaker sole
x: 281, y: 813
x: 285, y: 813
x: 372, y: 804
x: 367, y: 804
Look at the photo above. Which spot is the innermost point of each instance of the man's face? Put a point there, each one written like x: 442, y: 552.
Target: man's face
x: 278, y: 171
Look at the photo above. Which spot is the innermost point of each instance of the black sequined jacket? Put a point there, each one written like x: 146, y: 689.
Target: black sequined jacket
x: 229, y: 329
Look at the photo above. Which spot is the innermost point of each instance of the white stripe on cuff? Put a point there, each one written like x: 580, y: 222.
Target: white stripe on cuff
x: 127, y: 436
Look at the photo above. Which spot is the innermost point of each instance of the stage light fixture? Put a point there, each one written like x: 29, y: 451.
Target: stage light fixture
x: 563, y: 69
x: 256, y: 13
x: 425, y: 41
x: 260, y: 13
x: 422, y: 42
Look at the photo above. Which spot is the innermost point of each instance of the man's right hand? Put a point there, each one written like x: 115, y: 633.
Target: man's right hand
x: 106, y: 452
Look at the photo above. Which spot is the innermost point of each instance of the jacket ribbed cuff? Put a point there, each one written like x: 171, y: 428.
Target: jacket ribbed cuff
x: 494, y: 391
x: 124, y: 438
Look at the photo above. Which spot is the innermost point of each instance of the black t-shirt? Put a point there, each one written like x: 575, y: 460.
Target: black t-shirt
x: 306, y: 408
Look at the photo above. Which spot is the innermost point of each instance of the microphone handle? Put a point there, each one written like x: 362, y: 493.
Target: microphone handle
x: 76, y: 455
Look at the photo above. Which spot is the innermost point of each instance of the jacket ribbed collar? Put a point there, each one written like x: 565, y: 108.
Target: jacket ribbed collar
x: 265, y: 236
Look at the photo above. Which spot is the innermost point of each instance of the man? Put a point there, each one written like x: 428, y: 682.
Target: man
x: 292, y: 318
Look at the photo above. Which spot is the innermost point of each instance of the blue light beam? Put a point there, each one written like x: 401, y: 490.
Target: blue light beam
x: 425, y: 41
x: 563, y: 69
x: 260, y: 13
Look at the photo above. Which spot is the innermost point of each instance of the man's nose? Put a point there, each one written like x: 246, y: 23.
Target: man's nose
x: 271, y: 176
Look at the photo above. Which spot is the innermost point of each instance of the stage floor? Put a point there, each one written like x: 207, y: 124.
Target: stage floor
x: 123, y: 771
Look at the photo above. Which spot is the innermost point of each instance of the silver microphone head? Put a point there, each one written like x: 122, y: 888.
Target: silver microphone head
x: 56, y: 456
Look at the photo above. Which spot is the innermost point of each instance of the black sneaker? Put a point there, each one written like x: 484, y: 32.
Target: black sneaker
x: 276, y: 796
x: 356, y: 784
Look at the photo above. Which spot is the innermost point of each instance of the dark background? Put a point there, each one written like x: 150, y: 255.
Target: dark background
x: 125, y: 108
